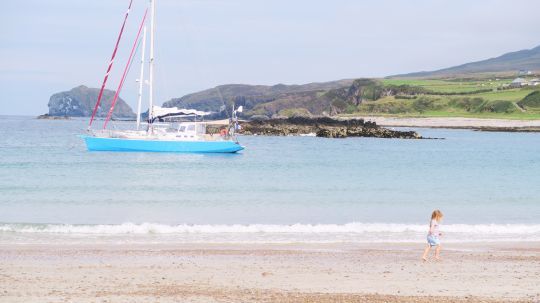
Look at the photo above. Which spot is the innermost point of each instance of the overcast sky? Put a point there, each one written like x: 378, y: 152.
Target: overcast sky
x: 51, y: 46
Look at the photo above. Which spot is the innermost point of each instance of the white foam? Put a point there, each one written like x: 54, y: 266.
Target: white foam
x: 348, y: 228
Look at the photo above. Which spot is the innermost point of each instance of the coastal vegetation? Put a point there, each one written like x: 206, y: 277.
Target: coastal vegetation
x: 473, y: 96
x: 503, y: 87
x: 483, y: 98
x: 478, y: 97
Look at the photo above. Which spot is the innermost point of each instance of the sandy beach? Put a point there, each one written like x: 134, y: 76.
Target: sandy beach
x: 457, y: 122
x: 500, y: 272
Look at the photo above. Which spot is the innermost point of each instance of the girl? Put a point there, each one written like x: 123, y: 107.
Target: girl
x: 433, y: 235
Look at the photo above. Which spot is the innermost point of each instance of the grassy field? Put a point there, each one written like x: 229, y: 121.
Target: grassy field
x: 510, y: 94
x: 479, y: 98
x: 453, y: 86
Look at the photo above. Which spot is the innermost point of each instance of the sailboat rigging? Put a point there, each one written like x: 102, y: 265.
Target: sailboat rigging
x: 167, y: 129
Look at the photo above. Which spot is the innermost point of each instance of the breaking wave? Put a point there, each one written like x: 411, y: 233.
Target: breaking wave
x: 348, y: 228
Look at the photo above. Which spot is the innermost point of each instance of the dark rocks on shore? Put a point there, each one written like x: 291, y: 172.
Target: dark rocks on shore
x: 49, y: 117
x: 323, y: 127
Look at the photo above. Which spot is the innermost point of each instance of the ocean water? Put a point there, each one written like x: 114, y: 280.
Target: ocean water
x: 279, y: 189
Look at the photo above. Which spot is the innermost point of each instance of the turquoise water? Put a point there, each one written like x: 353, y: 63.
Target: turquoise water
x: 486, y: 182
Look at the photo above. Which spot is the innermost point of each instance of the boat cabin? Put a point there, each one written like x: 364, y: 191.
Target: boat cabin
x: 191, y: 130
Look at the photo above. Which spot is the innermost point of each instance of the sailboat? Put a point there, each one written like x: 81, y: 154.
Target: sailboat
x: 167, y: 129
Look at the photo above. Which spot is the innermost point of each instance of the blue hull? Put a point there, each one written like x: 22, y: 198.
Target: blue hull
x: 116, y: 144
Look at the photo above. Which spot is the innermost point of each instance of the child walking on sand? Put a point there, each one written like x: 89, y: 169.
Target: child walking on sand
x: 433, y: 235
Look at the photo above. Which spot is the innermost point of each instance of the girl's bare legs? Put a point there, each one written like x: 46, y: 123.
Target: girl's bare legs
x: 437, y: 252
x: 426, y: 252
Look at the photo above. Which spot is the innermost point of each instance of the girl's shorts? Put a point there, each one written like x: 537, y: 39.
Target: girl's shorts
x: 433, y: 240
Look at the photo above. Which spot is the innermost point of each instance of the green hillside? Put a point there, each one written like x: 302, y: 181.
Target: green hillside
x: 476, y: 89
x: 488, y: 98
x: 464, y: 97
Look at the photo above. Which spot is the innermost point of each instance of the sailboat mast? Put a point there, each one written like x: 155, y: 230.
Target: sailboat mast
x: 151, y: 76
x: 141, y: 80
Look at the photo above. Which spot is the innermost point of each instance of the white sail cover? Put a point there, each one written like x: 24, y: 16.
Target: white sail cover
x: 158, y: 111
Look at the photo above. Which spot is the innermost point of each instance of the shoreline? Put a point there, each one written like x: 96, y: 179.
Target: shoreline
x: 383, y: 272
x: 482, y: 124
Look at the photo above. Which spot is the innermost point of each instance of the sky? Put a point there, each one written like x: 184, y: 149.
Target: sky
x: 52, y: 46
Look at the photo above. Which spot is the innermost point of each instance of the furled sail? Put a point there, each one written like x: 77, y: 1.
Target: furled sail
x: 162, y: 112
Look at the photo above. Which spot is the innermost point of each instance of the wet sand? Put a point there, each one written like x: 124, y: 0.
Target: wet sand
x: 500, y: 272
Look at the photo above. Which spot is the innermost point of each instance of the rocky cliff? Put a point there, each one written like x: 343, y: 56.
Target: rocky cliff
x: 80, y: 102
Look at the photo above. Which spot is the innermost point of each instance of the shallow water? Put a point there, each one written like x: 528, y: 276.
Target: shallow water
x: 486, y: 183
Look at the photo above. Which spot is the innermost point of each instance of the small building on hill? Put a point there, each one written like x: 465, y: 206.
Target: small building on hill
x: 519, y: 82
x: 534, y: 81
x: 523, y: 72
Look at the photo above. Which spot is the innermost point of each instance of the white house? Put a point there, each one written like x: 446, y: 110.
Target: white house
x: 534, y: 81
x: 522, y: 72
x: 519, y: 82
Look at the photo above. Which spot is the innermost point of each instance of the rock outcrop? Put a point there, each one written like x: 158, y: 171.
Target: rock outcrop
x: 323, y: 127
x: 49, y: 117
x: 80, y: 102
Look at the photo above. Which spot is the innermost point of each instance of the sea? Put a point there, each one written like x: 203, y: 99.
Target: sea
x: 277, y: 190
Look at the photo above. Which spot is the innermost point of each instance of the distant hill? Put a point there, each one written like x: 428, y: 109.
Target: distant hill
x: 260, y: 99
x: 80, y: 102
x: 325, y: 98
x: 339, y: 96
x: 528, y: 59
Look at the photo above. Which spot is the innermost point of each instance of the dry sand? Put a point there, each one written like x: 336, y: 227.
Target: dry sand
x: 268, y: 273
x: 456, y: 122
